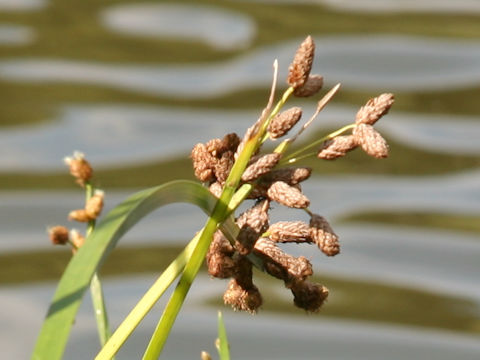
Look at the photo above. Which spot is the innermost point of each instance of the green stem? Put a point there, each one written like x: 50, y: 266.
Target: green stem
x: 293, y: 156
x: 149, y: 299
x: 219, y: 214
x: 96, y: 289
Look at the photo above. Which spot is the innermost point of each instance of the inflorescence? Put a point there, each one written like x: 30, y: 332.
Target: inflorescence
x: 273, y: 180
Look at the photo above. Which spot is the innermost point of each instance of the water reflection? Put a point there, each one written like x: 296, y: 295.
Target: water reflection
x: 15, y: 35
x: 373, y: 62
x: 375, y: 6
x: 274, y: 337
x: 22, y: 5
x: 152, y: 132
x: 219, y: 28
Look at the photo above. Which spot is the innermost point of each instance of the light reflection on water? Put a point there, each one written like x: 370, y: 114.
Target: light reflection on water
x: 363, y: 62
x: 263, y: 337
x: 221, y: 29
x: 148, y: 133
x: 386, y: 6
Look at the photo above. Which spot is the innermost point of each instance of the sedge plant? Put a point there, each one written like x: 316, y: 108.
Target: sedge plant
x: 231, y: 171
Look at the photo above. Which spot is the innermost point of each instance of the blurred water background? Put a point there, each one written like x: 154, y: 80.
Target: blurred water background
x: 136, y: 85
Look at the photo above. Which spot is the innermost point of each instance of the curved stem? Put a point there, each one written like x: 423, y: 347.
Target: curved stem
x: 96, y: 289
x: 219, y: 214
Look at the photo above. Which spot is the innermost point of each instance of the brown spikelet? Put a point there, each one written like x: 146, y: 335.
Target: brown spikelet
x: 280, y: 264
x: 243, y: 299
x: 205, y: 356
x: 59, y: 235
x: 252, y: 224
x: 312, y: 86
x: 216, y: 189
x: 94, y: 205
x: 308, y: 295
x: 261, y: 166
x: 79, y: 215
x: 203, y: 163
x: 230, y: 142
x: 323, y: 235
x: 300, y: 68
x: 371, y: 141
x: 214, y: 147
x: 219, y: 257
x: 374, y: 109
x: 289, y: 231
x: 223, y: 166
x: 283, y: 122
x: 291, y: 176
x: 287, y: 195
x: 79, y: 168
x: 337, y: 147
x: 77, y: 240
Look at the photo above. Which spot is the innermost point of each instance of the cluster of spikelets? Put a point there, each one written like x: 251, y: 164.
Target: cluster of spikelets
x: 81, y: 170
x: 257, y: 240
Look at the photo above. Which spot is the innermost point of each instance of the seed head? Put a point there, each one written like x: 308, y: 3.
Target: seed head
x: 289, y: 231
x: 374, y: 109
x: 337, y: 147
x: 252, y: 224
x: 219, y: 257
x: 261, y: 166
x: 287, y: 195
x: 323, y: 235
x: 292, y: 176
x: 223, y: 166
x: 371, y: 141
x: 58, y: 235
x: 77, y: 240
x: 216, y: 189
x: 79, y: 215
x: 203, y: 163
x: 94, y: 205
x: 312, y: 86
x: 308, y: 295
x: 302, y: 64
x: 79, y: 168
x: 279, y: 264
x: 205, y: 356
x: 244, y: 299
x: 283, y: 122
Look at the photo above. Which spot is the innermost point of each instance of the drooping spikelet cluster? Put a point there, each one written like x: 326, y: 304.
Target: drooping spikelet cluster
x: 272, y: 181
x: 81, y: 170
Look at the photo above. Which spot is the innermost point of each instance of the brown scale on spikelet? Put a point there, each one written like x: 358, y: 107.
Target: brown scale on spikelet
x: 230, y: 142
x: 219, y: 257
x: 79, y: 215
x: 291, y: 176
x: 243, y: 299
x: 280, y: 264
x: 323, y: 235
x: 94, y: 205
x: 312, y: 86
x: 337, y: 147
x: 374, y: 109
x: 252, y: 224
x: 59, y: 235
x: 283, y: 122
x: 203, y: 163
x: 289, y: 231
x: 260, y: 166
x: 216, y: 189
x: 77, y: 240
x: 223, y: 166
x: 308, y: 295
x: 371, y: 141
x: 287, y: 195
x: 301, y: 65
x: 79, y: 168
